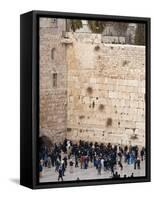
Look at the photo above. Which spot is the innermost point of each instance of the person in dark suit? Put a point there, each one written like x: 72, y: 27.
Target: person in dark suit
x: 60, y: 173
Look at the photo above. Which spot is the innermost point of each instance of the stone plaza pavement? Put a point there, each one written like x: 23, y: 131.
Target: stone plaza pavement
x: 49, y: 174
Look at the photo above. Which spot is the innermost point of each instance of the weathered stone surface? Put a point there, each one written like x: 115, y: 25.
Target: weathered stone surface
x: 115, y: 75
x: 53, y: 99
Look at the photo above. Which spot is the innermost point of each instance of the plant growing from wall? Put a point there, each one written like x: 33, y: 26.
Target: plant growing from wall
x: 97, y: 48
x: 96, y: 26
x: 74, y: 24
x: 89, y: 90
x: 109, y: 122
x: 81, y: 117
x: 101, y: 107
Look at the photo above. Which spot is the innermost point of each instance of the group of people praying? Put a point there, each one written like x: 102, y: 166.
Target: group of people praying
x: 84, y: 155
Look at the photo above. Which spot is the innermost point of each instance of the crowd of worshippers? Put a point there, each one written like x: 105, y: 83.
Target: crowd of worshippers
x: 104, y: 157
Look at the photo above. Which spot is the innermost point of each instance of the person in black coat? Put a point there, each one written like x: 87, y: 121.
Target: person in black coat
x: 60, y: 173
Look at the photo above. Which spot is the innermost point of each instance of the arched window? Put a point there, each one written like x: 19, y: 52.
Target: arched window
x: 53, y: 50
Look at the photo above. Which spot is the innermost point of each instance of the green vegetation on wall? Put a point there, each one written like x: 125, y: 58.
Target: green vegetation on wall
x: 75, y: 24
x: 96, y: 26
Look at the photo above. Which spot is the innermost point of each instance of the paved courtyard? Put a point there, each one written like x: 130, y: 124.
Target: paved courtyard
x: 49, y: 174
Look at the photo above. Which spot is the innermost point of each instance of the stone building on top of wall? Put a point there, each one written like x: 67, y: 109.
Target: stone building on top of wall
x: 113, y: 32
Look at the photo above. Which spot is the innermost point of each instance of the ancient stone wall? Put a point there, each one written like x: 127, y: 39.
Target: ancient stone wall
x: 106, y: 91
x: 53, y: 72
x: 90, y: 90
